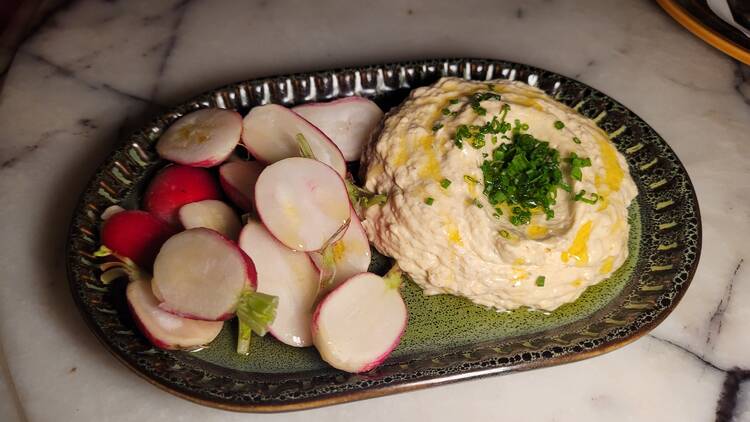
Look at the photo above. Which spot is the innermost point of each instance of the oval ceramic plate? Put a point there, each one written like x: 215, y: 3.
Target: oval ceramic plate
x: 448, y: 339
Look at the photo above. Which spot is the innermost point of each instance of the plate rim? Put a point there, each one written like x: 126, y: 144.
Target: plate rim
x: 705, y: 32
x: 379, y: 391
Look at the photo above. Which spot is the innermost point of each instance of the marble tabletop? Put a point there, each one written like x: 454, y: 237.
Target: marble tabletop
x: 96, y: 70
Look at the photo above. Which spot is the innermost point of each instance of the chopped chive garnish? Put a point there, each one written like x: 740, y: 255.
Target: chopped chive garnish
x: 429, y: 200
x: 576, y: 164
x: 540, y: 281
x: 453, y: 101
x: 576, y: 140
x: 524, y: 173
x: 580, y: 196
x: 437, y: 127
x: 470, y: 179
x: 477, y: 203
x: 445, y: 111
x: 504, y: 234
x: 445, y: 183
x: 559, y: 125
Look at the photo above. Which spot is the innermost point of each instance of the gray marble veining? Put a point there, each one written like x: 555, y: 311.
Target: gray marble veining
x: 97, y: 70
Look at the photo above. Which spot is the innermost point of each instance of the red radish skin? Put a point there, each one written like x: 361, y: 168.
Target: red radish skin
x: 200, y: 274
x: 269, y: 133
x: 175, y: 186
x: 203, y: 138
x: 165, y: 330
x: 348, y: 122
x: 302, y: 202
x: 287, y: 274
x: 211, y: 214
x: 324, y: 342
x: 238, y: 179
x: 137, y: 235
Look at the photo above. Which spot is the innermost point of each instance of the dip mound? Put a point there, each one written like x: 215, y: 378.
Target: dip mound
x: 498, y: 193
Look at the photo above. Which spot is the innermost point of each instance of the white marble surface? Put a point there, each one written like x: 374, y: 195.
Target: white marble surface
x: 97, y: 70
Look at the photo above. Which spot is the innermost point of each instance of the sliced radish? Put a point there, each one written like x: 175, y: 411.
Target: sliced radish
x: 211, y: 214
x: 271, y: 133
x: 287, y: 274
x: 302, y: 202
x: 359, y: 323
x: 164, y: 330
x: 351, y: 254
x: 200, y: 274
x: 238, y: 181
x: 175, y: 186
x: 137, y: 235
x: 203, y: 138
x: 347, y: 121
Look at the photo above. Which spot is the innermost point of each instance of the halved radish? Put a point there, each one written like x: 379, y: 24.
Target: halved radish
x: 287, y: 274
x: 175, y: 186
x: 347, y: 122
x: 271, y: 133
x: 359, y: 323
x: 211, y: 214
x: 137, y: 235
x: 164, y: 330
x: 200, y: 274
x: 238, y: 179
x: 351, y: 254
x: 302, y: 202
x: 203, y: 138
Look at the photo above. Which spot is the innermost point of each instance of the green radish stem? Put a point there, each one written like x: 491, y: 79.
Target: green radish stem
x: 255, y: 312
x: 362, y: 197
x: 113, y: 270
x: 304, y: 147
x: 328, y: 267
x: 243, y: 340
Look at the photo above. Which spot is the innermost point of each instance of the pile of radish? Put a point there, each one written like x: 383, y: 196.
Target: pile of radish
x: 286, y: 254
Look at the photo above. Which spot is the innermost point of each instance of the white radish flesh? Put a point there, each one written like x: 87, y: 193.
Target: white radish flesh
x: 211, y: 214
x: 110, y: 211
x: 165, y: 330
x: 270, y: 133
x: 203, y: 138
x: 238, y: 181
x: 200, y: 274
x: 359, y: 323
x: 287, y: 274
x: 347, y: 121
x: 351, y: 253
x: 302, y: 202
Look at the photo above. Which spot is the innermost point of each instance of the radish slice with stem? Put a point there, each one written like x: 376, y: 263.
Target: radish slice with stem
x: 211, y: 214
x: 165, y: 330
x: 348, y: 122
x: 270, y: 133
x: 303, y: 203
x: 287, y: 274
x: 200, y: 274
x: 350, y: 255
x: 203, y: 138
x: 238, y: 179
x: 360, y: 322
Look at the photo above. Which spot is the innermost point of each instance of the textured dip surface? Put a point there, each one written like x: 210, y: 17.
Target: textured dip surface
x: 443, y: 231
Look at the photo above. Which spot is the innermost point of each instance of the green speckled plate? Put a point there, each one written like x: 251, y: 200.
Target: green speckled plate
x: 448, y: 339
